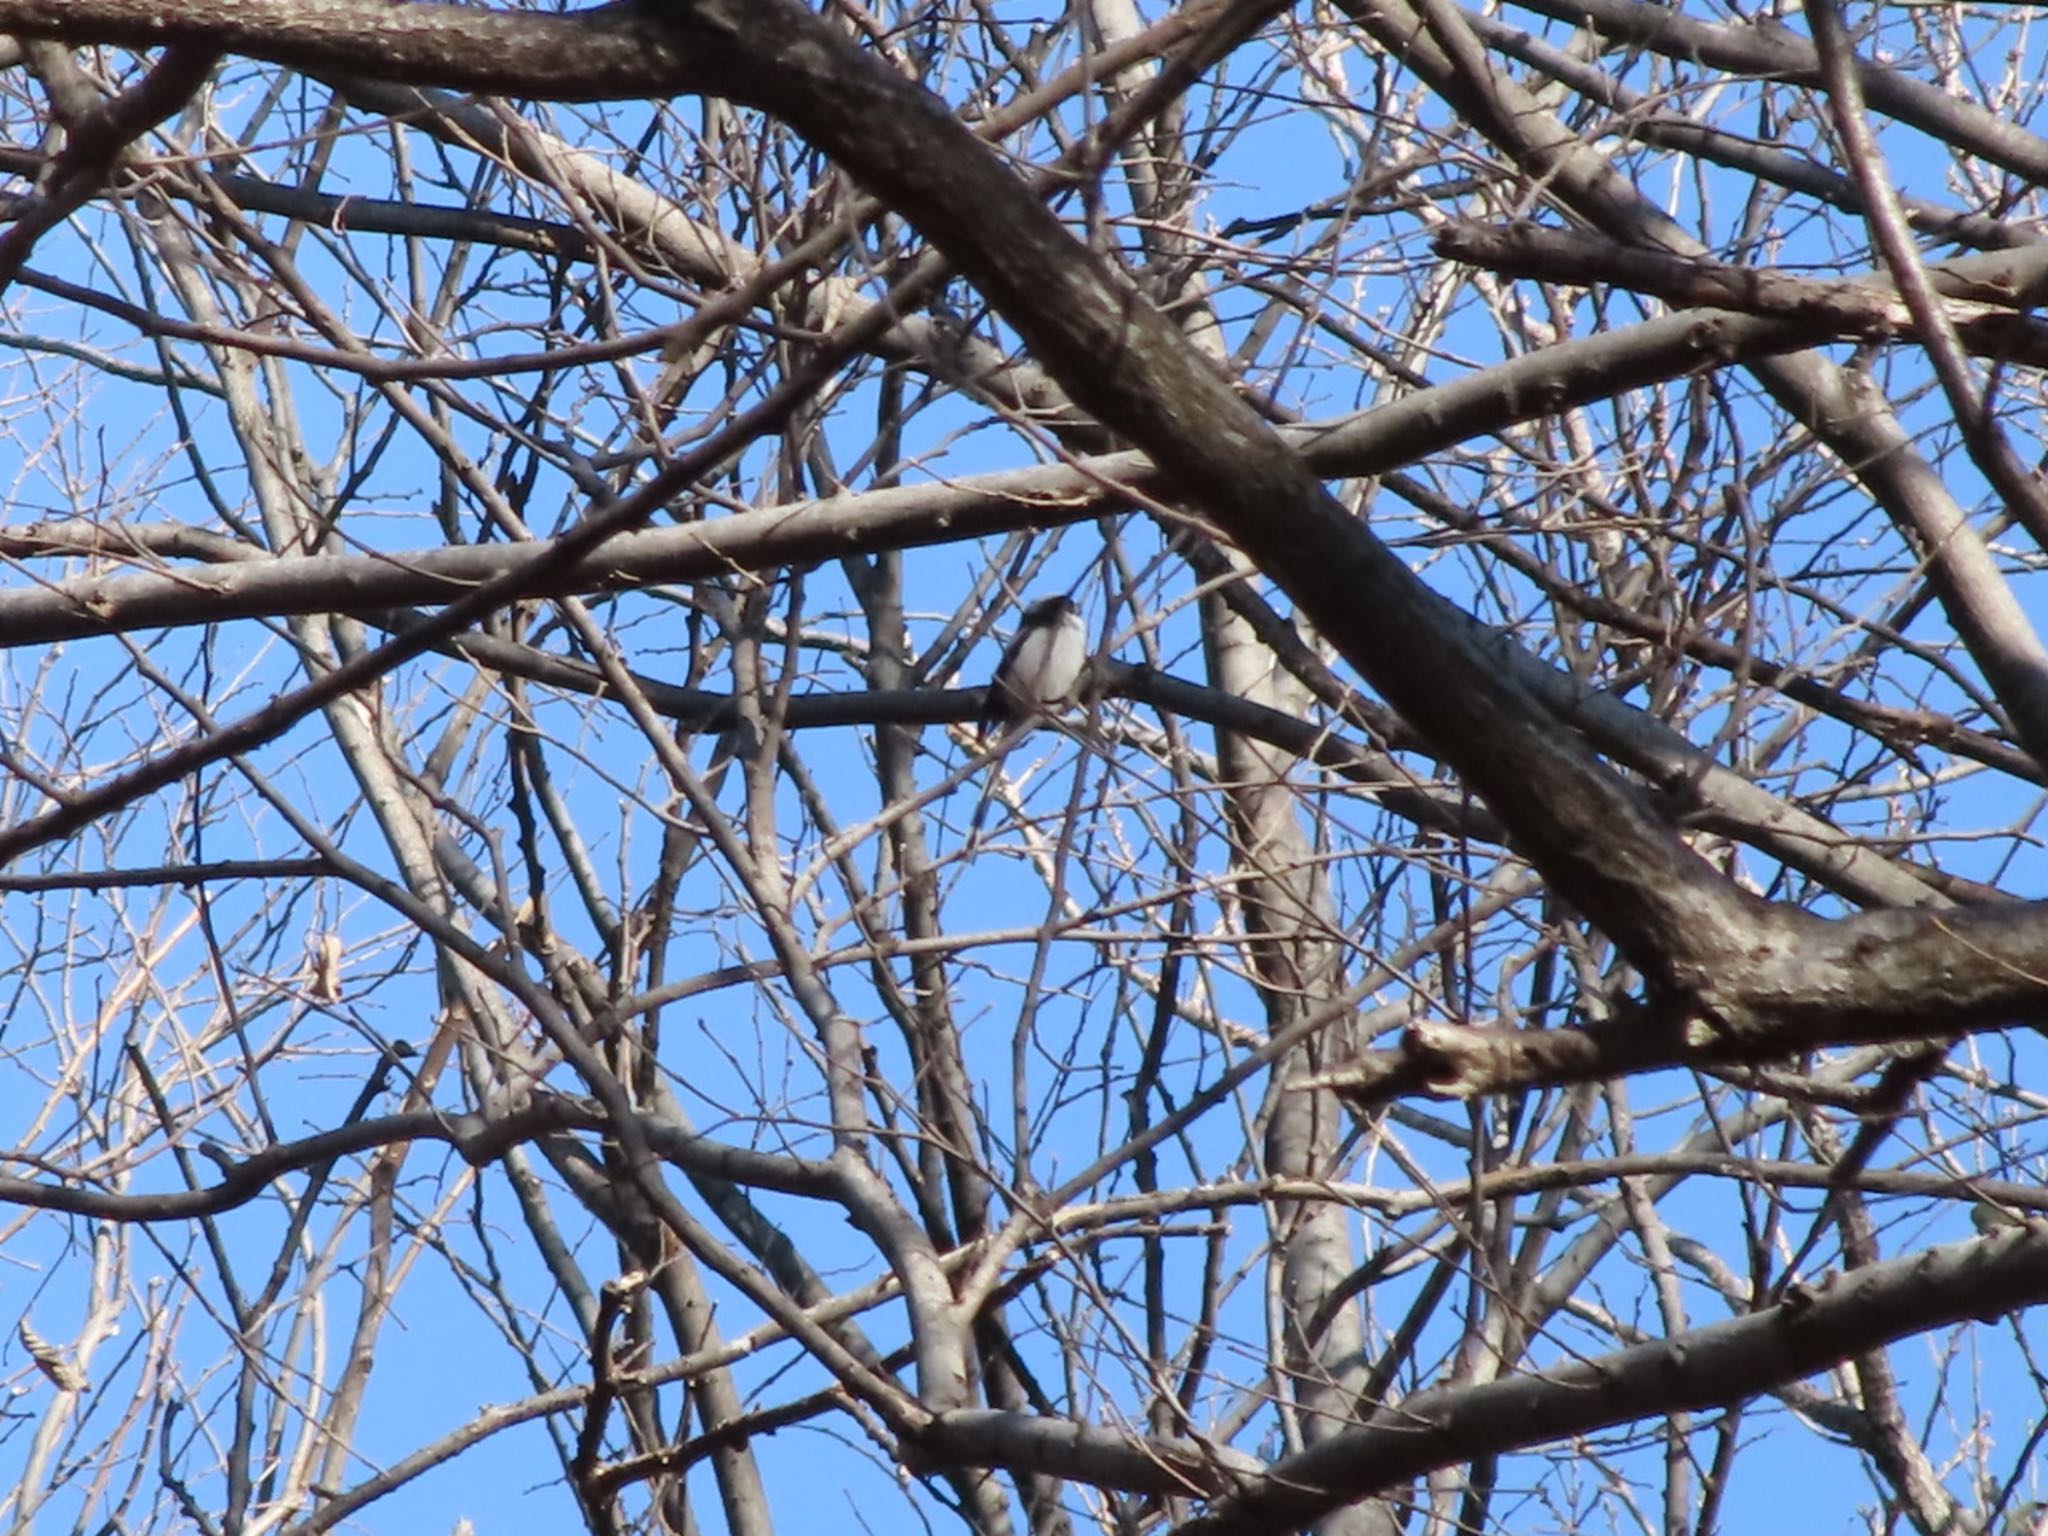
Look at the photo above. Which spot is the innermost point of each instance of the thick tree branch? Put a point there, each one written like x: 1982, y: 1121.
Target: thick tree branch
x: 603, y: 53
x: 1813, y: 1329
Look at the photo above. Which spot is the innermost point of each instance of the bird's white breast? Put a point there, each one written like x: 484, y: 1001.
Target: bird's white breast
x: 1048, y: 662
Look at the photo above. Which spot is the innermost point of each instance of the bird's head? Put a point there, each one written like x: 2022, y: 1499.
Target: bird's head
x: 1050, y: 610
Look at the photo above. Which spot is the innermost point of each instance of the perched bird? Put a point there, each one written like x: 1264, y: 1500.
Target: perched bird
x: 1040, y: 670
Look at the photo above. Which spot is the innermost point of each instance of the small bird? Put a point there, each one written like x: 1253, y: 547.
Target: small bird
x: 1042, y: 667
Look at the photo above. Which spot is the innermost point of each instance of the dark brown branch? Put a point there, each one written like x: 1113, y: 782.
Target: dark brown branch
x: 96, y: 137
x: 364, y: 215
x: 476, y: 1139
x: 1986, y: 293
x: 171, y: 874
